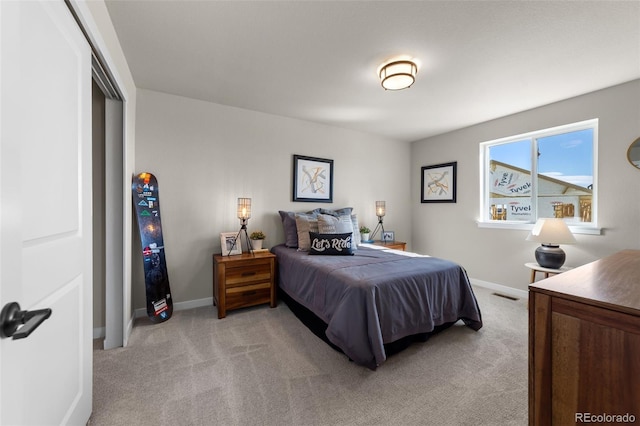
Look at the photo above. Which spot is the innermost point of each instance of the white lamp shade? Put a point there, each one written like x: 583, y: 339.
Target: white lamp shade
x: 551, y: 231
x: 381, y: 209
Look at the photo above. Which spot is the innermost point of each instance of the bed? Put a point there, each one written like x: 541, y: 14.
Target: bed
x: 377, y: 300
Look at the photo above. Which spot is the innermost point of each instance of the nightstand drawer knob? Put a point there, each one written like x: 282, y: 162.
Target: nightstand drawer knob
x: 248, y: 293
x: 248, y: 274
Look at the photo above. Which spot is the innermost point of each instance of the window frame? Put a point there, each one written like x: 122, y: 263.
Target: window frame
x: 484, y: 220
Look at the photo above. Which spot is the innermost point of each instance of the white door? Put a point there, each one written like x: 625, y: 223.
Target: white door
x: 45, y: 212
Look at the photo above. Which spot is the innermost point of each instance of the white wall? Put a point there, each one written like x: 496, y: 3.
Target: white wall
x: 498, y: 255
x: 207, y: 155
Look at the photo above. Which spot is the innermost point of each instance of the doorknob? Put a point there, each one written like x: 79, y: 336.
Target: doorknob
x: 12, y: 317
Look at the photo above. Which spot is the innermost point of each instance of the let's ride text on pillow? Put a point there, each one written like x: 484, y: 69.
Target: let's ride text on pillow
x: 331, y: 244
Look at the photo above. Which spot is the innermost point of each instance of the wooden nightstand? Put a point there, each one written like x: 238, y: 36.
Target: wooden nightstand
x: 397, y: 245
x: 243, y: 280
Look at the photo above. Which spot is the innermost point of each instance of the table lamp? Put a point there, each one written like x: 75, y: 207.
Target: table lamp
x: 381, y: 210
x: 244, y: 213
x: 551, y: 232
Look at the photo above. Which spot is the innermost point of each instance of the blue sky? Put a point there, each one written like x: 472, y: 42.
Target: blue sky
x: 568, y: 156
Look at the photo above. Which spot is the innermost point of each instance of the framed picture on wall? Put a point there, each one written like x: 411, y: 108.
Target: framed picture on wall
x: 229, y: 244
x: 312, y: 179
x: 438, y: 183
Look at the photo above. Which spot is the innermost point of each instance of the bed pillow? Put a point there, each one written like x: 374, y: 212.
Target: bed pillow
x: 290, y: 230
x: 338, y: 212
x: 357, y: 238
x: 331, y: 244
x: 328, y: 224
x: 305, y: 223
x: 289, y: 225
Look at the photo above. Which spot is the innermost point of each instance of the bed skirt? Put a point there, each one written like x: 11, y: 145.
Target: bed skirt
x: 318, y: 327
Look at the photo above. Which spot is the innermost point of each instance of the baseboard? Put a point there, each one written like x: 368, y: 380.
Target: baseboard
x: 509, y: 291
x: 125, y: 338
x: 180, y: 306
x: 99, y: 333
x: 208, y: 301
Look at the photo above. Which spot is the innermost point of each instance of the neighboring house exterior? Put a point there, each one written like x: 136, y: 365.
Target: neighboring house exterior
x: 510, y: 197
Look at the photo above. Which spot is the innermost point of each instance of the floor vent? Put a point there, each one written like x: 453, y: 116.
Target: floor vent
x: 505, y: 296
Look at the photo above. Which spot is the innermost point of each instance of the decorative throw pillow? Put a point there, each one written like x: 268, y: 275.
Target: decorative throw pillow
x: 331, y: 244
x: 305, y: 223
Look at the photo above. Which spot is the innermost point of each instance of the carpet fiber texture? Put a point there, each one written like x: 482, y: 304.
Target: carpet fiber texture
x: 261, y: 366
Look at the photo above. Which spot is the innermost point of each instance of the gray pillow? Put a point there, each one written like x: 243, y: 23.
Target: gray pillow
x: 289, y: 225
x: 290, y: 230
x: 328, y: 224
x: 338, y: 212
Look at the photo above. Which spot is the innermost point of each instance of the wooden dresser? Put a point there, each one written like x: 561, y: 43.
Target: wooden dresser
x: 584, y: 343
x: 243, y: 280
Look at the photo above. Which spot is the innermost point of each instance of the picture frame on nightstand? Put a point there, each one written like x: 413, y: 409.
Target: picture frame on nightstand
x: 388, y: 236
x: 227, y: 240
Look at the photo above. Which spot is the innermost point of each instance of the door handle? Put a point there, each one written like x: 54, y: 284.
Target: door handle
x: 12, y: 317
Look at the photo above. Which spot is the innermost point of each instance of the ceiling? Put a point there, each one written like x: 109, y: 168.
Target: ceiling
x: 317, y: 60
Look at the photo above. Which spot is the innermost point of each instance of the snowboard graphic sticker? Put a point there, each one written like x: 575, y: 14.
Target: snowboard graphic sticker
x: 147, y: 204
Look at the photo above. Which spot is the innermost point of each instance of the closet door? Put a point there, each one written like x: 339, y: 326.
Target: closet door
x: 45, y: 212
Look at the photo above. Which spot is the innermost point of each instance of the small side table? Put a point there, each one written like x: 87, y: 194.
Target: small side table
x: 535, y: 268
x: 397, y: 245
x: 243, y: 280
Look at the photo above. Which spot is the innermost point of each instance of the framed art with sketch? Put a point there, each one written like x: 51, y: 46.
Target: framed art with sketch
x: 438, y: 183
x: 312, y: 179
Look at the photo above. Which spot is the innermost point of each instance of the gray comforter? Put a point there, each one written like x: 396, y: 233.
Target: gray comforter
x: 377, y: 296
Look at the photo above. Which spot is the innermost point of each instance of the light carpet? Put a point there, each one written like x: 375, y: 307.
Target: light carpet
x: 261, y: 366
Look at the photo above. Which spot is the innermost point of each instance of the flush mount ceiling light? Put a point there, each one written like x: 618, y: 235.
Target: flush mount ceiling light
x: 398, y: 75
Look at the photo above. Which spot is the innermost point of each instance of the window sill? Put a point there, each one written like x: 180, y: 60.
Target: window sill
x: 505, y: 224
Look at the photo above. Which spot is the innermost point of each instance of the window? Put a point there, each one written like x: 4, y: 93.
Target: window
x: 562, y: 162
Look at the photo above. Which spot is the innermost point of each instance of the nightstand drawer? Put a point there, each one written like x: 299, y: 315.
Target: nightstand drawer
x: 248, y: 295
x: 240, y: 276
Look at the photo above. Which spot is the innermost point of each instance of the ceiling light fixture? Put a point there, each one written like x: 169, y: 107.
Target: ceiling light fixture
x: 398, y: 75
